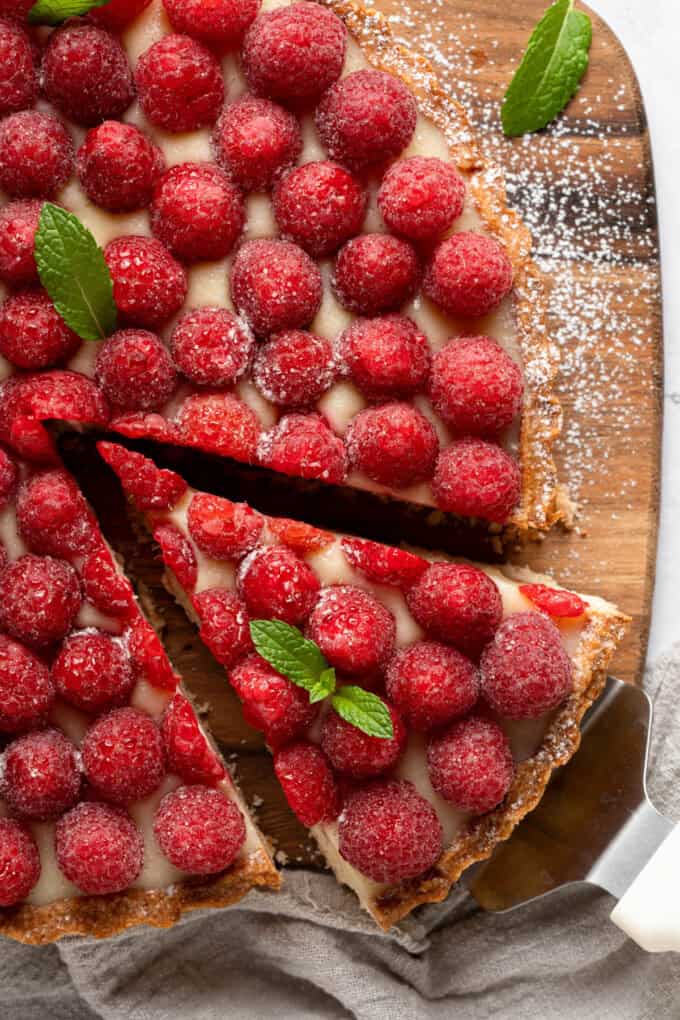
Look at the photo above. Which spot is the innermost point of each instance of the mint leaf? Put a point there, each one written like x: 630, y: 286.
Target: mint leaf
x: 74, y: 273
x: 553, y: 64
x: 291, y: 653
x: 53, y: 12
x: 364, y: 710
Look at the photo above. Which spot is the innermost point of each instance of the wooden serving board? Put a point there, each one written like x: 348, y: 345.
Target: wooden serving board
x: 587, y: 188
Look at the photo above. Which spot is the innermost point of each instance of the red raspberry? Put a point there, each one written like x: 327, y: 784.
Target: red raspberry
x: 18, y: 78
x: 211, y: 347
x: 353, y: 630
x: 8, y: 478
x: 19, y: 862
x: 149, y: 286
x: 474, y: 478
x: 141, y: 425
x: 271, y: 702
x: 383, y: 563
x: 389, y: 832
x: 18, y: 224
x: 470, y: 764
x: 420, y: 197
x: 15, y: 9
x: 123, y: 756
x: 302, y: 538
x: 178, y: 554
x: 224, y: 624
x: 187, y: 750
x: 275, y: 286
x: 135, y: 371
x: 41, y: 777
x: 525, y: 670
x: 295, y: 53
x: 308, y: 783
x: 220, y: 24
x: 86, y: 73
x: 275, y: 584
x: 32, y: 333
x: 255, y: 141
x: 294, y: 368
x: 388, y: 357
x: 353, y: 753
x: 104, y: 586
x: 118, y: 166
x: 469, y: 275
x: 457, y: 603
x: 319, y: 206
x: 26, y: 689
x: 220, y: 423
x: 52, y: 516
x: 99, y: 848
x: 148, y: 657
x: 431, y: 684
x: 199, y: 830
x: 222, y: 529
x: 39, y: 599
x: 180, y: 84
x: 555, y: 602
x: 304, y: 445
x: 367, y: 117
x: 197, y: 212
x: 116, y: 14
x: 93, y: 672
x: 376, y: 273
x: 151, y: 488
x: 393, y: 444
x: 36, y: 154
x: 475, y: 386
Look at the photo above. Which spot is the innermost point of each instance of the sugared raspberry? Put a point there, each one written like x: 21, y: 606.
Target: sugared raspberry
x: 475, y: 386
x: 211, y: 347
x: 319, y: 206
x: 224, y: 624
x: 457, y: 603
x: 469, y: 275
x: 474, y: 478
x: 52, y: 516
x: 118, y: 166
x: 93, y: 672
x: 32, y: 333
x: 271, y: 702
x: 26, y: 689
x: 367, y: 117
x: 116, y: 14
x: 389, y: 832
x: 41, y: 775
x: 222, y: 529
x: 99, y: 848
x: 148, y: 656
x: 220, y: 24
x: 180, y: 84
x: 275, y: 584
x: 393, y: 444
x: 295, y: 53
x: 255, y: 141
x: 376, y: 273
x: 431, y: 684
x: 123, y: 756
x: 36, y: 154
x: 294, y: 368
x: 470, y: 764
x: 187, y: 751
x: 18, y: 224
x: 197, y: 212
x: 18, y: 78
x: 525, y: 670
x: 178, y: 554
x: 19, y: 862
x: 353, y: 630
x: 199, y: 830
x: 220, y: 423
x: 39, y: 599
x: 303, y: 445
x: 302, y: 538
x: 556, y: 602
x: 149, y: 286
x: 383, y: 563
x: 135, y: 370
x: 275, y: 286
x: 86, y: 73
x: 151, y: 488
x: 353, y: 753
x: 104, y: 586
x: 8, y: 478
x: 387, y: 357
x: 420, y: 197
x: 308, y: 782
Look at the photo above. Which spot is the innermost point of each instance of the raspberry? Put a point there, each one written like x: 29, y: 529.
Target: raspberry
x: 255, y: 141
x: 99, y: 848
x: 220, y: 423
x: 224, y: 624
x: 149, y: 286
x: 18, y: 78
x: 555, y: 602
x: 319, y: 206
x: 383, y: 564
x: 275, y: 286
x: 199, y: 830
x: 211, y: 347
x: 376, y: 273
x: 474, y: 478
x: 387, y: 357
x: 457, y: 603
x: 118, y: 166
x: 39, y: 599
x: 304, y: 445
x: 308, y: 783
x: 104, y: 586
x: 151, y: 488
x: 470, y: 764
x: 222, y: 529
x: 187, y: 750
x: 197, y: 212
x: 123, y: 756
x: 93, y: 672
x: 36, y: 154
x: 26, y: 689
x: 19, y: 862
x: 353, y: 630
x: 41, y: 777
x: 116, y: 14
x: 220, y: 24
x: 393, y: 444
x: 431, y: 684
x: 180, y: 84
x: 526, y: 671
x: 52, y: 516
x: 295, y: 53
x: 367, y: 117
x: 178, y: 554
x: 86, y: 74
x: 32, y: 333
x: 271, y: 703
x: 420, y: 197
x: 275, y: 584
x: 135, y: 370
x: 148, y: 657
x: 353, y: 753
x: 8, y: 478
x: 294, y: 368
x: 389, y: 832
x: 302, y: 538
x: 140, y: 425
x: 475, y: 386
x: 18, y: 224
x: 468, y: 275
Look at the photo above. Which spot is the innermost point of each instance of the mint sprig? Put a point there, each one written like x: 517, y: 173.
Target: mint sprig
x: 553, y: 64
x: 74, y: 273
x: 301, y: 660
x: 53, y: 12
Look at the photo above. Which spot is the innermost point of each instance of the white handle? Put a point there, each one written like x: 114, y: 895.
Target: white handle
x: 649, y: 912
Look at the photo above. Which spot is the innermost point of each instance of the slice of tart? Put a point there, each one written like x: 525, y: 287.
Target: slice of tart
x: 480, y: 674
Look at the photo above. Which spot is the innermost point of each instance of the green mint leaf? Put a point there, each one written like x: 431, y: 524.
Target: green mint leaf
x: 364, y: 710
x: 553, y: 64
x: 324, y: 687
x: 292, y: 654
x: 53, y: 12
x: 74, y: 273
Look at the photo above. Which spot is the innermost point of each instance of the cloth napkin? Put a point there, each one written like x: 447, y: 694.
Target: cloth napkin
x: 310, y: 952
